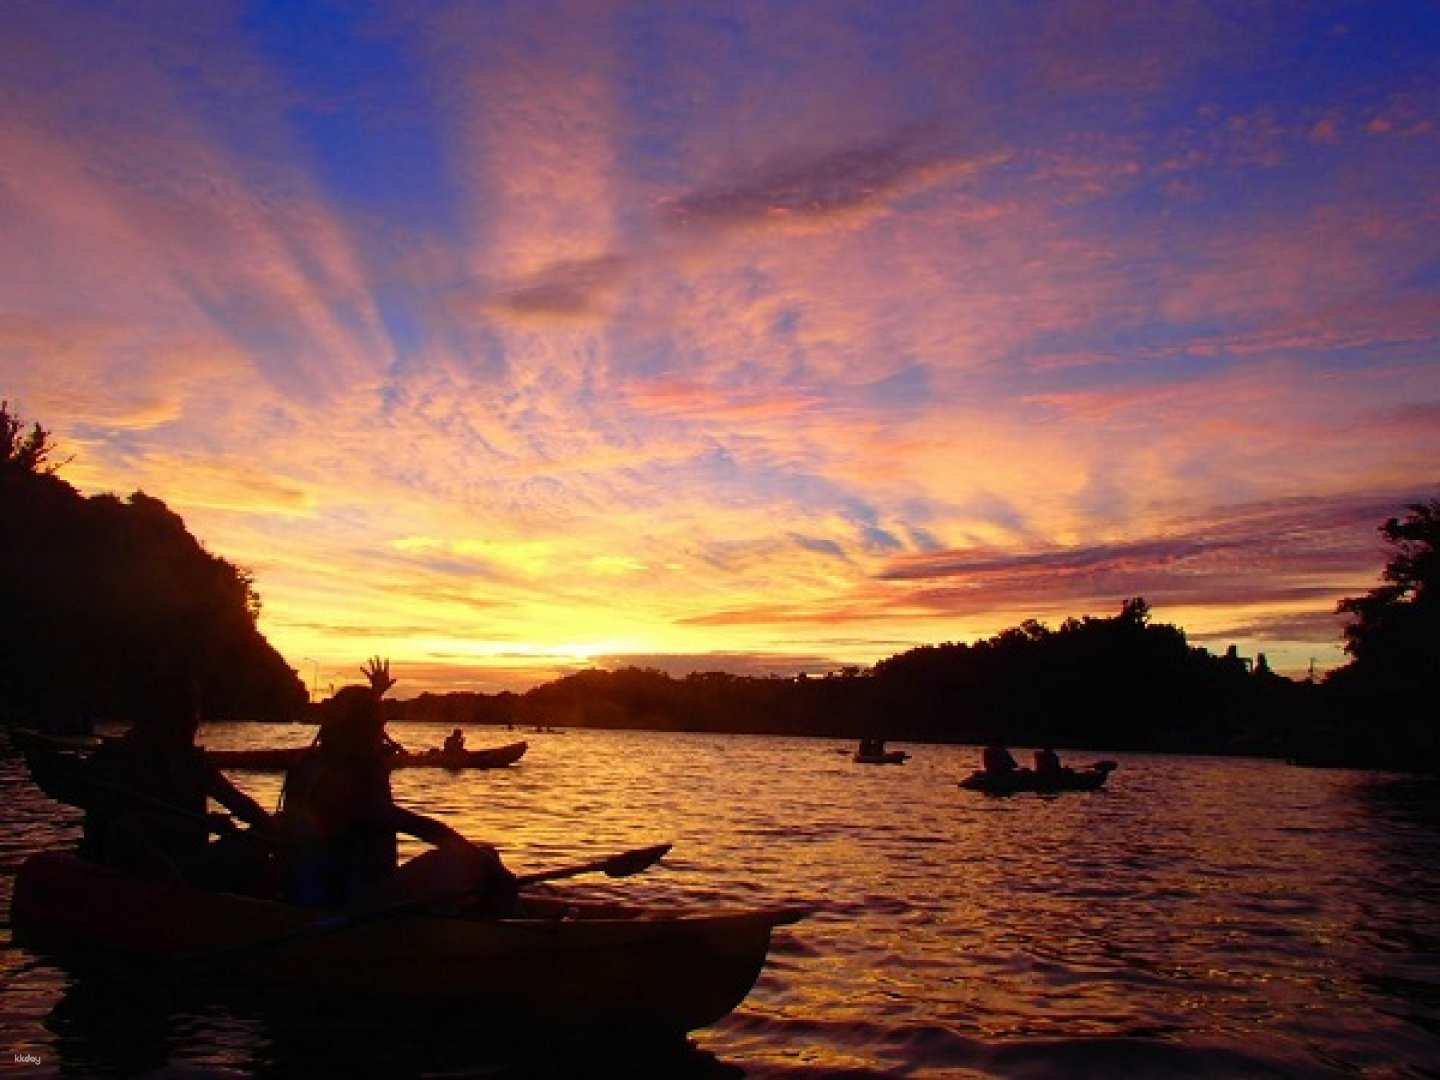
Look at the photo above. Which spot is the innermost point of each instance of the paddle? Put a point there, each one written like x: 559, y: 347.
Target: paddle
x: 622, y: 865
x: 615, y: 866
x: 47, y: 775
x: 218, y: 823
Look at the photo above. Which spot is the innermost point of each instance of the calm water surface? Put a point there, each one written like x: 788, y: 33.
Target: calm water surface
x: 1201, y: 917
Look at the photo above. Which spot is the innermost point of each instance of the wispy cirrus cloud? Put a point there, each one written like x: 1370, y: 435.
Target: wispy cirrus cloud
x: 1307, y: 552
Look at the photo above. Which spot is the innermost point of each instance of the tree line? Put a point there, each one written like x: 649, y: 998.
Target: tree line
x: 1122, y: 682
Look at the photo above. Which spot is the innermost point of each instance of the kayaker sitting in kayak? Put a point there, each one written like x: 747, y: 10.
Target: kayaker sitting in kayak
x: 340, y: 820
x: 146, y: 799
x: 455, y: 742
x: 997, y: 759
x: 1047, y: 763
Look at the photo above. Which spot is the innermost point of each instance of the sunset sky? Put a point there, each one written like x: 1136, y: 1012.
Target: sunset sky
x: 505, y: 339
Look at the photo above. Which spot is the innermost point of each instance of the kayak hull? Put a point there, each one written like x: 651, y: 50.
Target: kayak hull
x: 647, y: 970
x: 890, y: 757
x: 1023, y: 780
x: 280, y: 760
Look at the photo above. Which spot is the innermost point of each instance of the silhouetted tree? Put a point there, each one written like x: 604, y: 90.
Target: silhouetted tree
x: 1382, y: 702
x: 21, y: 453
x: 1396, y: 630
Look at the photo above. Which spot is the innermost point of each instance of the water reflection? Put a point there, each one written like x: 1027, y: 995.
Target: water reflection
x: 1197, y: 916
x: 127, y: 1024
x: 1403, y: 931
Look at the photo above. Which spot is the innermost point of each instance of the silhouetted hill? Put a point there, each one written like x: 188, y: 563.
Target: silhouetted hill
x: 103, y: 600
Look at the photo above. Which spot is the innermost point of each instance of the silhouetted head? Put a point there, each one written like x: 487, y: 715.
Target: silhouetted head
x: 170, y: 714
x: 351, y: 722
x: 455, y: 732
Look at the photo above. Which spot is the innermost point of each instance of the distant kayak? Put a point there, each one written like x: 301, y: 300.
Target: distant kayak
x: 559, y: 963
x: 1090, y: 778
x: 889, y: 757
x: 279, y: 760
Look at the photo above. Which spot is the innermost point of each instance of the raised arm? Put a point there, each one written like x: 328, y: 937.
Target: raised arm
x: 377, y: 671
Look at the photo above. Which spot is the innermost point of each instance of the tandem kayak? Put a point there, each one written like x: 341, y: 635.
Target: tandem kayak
x: 279, y: 760
x: 1090, y: 778
x: 560, y: 963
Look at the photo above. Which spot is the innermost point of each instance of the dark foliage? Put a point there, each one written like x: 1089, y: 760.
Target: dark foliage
x: 1383, y: 702
x: 22, y: 453
x: 1395, y: 637
x: 1119, y: 682
x: 105, y: 604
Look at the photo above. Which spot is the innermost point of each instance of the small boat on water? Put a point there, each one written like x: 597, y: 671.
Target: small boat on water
x: 557, y: 964
x: 871, y: 751
x: 279, y: 760
x: 1090, y: 778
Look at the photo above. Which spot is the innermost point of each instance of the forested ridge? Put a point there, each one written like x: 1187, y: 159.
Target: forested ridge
x: 107, y: 603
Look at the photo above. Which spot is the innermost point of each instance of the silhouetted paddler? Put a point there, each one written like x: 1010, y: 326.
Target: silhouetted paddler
x: 146, y: 802
x: 341, y: 821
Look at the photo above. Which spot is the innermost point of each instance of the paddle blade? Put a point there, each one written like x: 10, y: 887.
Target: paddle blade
x: 632, y: 862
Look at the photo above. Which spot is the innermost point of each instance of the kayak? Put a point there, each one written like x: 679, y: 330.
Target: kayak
x: 890, y: 757
x: 279, y: 760
x: 560, y: 963
x: 1090, y: 778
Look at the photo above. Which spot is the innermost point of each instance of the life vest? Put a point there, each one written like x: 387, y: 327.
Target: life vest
x: 337, y: 826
